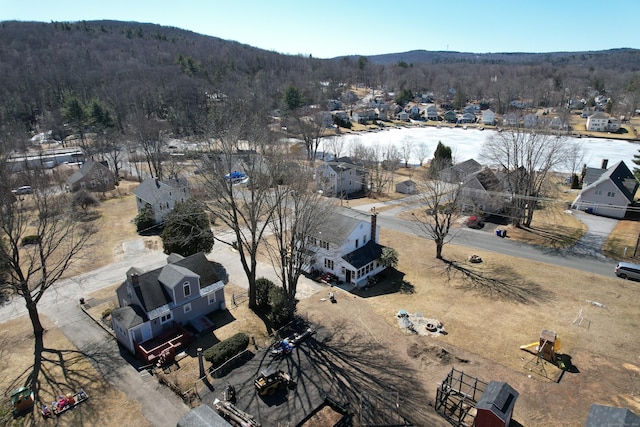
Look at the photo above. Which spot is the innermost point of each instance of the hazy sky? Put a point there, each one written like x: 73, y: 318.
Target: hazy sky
x: 330, y: 28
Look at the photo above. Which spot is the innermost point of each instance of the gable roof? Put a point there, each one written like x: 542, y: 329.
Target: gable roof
x: 486, y: 178
x: 600, y: 415
x: 620, y: 175
x: 84, y: 170
x: 498, y: 398
x: 336, y: 228
x: 365, y: 254
x: 151, y: 288
x: 460, y: 171
x: 129, y: 316
x: 202, y: 416
x: 154, y: 191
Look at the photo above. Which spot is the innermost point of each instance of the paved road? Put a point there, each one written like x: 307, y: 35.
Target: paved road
x: 585, y: 255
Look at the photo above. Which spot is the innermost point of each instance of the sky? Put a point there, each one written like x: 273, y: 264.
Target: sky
x: 329, y: 28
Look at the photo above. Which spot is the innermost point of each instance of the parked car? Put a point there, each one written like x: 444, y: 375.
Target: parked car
x: 25, y: 189
x: 626, y: 270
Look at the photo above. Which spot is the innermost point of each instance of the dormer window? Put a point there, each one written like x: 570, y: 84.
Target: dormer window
x: 187, y: 289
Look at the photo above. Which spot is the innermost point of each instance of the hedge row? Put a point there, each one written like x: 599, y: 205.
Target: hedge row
x: 225, y: 350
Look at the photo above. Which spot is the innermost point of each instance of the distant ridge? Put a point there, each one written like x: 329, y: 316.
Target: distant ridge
x: 611, y: 58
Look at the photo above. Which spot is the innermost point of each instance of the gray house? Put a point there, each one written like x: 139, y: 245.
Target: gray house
x: 155, y: 305
x: 609, y: 194
x: 460, y: 171
x: 162, y: 196
x: 92, y: 176
x: 341, y: 177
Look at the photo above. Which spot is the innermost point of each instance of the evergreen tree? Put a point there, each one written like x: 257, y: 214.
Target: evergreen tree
x: 144, y: 220
x: 636, y: 160
x: 188, y: 230
x: 442, y: 159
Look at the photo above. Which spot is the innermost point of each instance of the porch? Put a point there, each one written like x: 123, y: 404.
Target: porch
x: 165, y: 344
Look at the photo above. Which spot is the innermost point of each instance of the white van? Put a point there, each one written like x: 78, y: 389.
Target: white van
x: 626, y: 270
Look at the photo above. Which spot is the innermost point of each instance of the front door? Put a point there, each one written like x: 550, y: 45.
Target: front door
x: 348, y: 276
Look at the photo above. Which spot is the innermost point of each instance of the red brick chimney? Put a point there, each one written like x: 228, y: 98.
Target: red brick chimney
x: 374, y: 223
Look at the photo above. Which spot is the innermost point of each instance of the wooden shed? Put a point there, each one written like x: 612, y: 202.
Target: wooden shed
x: 495, y: 406
x: 600, y: 415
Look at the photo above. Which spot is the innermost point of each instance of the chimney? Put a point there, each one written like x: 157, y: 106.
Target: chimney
x: 604, y: 163
x: 157, y: 182
x: 135, y: 280
x: 374, y: 221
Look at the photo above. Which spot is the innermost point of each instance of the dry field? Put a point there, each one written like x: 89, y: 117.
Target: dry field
x: 64, y: 370
x: 492, y: 308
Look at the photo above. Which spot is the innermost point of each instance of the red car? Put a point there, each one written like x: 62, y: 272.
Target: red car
x: 329, y: 277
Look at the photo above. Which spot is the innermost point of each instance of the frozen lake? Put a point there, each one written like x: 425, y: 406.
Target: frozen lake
x: 467, y: 143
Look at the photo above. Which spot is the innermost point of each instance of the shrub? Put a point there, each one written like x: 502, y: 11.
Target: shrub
x: 30, y: 240
x: 225, y: 350
x: 279, y: 313
x: 106, y: 313
x: 263, y: 287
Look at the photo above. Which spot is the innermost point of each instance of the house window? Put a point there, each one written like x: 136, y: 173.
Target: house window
x: 187, y: 289
x: 357, y: 243
x: 324, y: 245
x: 611, y: 194
x: 187, y: 308
x: 165, y: 318
x: 328, y: 263
x: 212, y: 298
x: 598, y: 192
x: 364, y: 239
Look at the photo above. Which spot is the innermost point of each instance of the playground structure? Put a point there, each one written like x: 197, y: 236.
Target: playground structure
x: 544, y: 351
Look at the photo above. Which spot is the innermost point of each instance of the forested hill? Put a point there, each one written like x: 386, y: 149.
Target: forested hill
x: 127, y: 64
x: 133, y: 69
x: 616, y: 59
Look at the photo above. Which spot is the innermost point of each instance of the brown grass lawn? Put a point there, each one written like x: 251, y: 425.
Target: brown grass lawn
x: 114, y: 227
x: 621, y: 243
x: 64, y: 371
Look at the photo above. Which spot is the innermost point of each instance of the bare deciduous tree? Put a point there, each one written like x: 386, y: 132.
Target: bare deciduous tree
x: 298, y: 215
x: 334, y: 145
x: 149, y: 133
x: 422, y: 152
x: 440, y: 209
x: 525, y: 158
x: 39, y: 240
x: 241, y: 145
x: 406, y: 150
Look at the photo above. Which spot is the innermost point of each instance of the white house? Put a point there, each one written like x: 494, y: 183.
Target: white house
x: 488, y: 117
x: 597, y: 122
x: 348, y: 248
x: 610, y: 194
